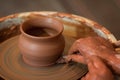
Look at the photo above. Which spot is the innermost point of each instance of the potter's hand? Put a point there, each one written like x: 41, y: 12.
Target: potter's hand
x: 97, y: 70
x: 96, y: 67
x: 92, y: 46
x: 98, y: 46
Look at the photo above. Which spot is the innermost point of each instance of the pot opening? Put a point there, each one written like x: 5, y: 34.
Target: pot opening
x: 42, y: 27
x: 39, y: 31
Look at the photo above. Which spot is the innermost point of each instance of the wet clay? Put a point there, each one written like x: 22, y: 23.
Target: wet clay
x: 41, y: 42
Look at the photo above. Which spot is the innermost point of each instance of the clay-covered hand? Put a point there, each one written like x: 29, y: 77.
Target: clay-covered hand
x: 98, y: 46
x: 97, y: 70
x: 92, y: 46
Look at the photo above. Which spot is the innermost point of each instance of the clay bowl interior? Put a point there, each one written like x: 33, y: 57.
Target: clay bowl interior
x: 75, y: 27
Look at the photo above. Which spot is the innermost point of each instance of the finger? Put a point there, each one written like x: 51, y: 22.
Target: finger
x: 91, y: 66
x: 76, y: 58
x: 74, y: 47
x: 97, y: 62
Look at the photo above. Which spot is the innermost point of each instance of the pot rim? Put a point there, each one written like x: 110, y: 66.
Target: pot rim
x: 45, y: 37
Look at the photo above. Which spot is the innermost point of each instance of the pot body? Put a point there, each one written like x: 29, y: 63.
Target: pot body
x: 41, y: 51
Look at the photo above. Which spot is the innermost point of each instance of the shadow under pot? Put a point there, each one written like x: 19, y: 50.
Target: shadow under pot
x: 41, y: 42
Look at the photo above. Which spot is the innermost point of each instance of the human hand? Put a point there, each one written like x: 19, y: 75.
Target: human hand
x: 97, y: 70
x: 93, y: 46
x: 98, y: 46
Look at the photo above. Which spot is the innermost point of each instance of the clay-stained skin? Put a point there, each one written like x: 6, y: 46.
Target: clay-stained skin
x: 96, y: 46
x: 99, y: 54
x: 97, y: 70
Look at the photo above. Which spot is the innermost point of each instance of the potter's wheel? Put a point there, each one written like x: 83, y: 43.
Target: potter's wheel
x: 12, y: 66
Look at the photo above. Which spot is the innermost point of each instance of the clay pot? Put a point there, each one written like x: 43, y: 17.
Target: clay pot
x: 41, y: 42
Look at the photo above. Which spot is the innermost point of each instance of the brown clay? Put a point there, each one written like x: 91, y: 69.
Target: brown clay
x: 41, y: 42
